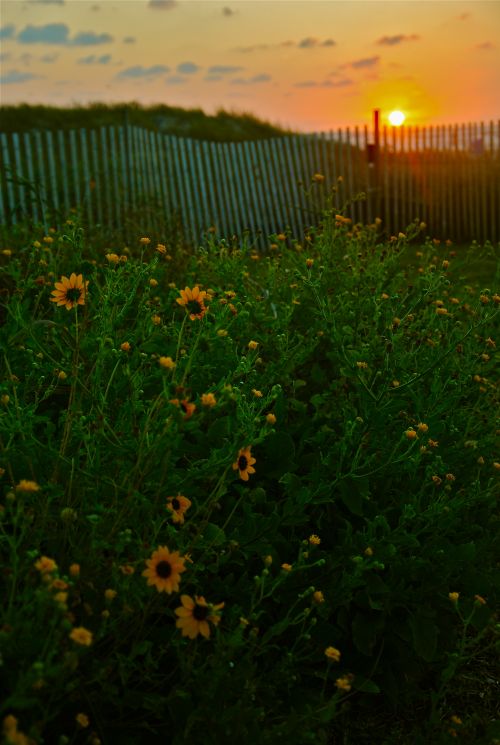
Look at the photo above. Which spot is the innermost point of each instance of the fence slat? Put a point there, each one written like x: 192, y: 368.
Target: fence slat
x: 52, y: 170
x: 96, y: 175
x: 63, y: 166
x: 28, y: 152
x: 9, y: 175
x: 20, y: 178
x: 108, y: 202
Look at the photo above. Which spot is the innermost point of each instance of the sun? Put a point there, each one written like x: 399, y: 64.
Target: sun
x: 396, y: 118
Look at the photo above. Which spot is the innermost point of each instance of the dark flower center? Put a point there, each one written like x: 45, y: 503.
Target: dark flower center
x: 200, y: 612
x: 242, y: 463
x: 73, y: 294
x: 176, y: 504
x: 195, y: 307
x: 163, y: 569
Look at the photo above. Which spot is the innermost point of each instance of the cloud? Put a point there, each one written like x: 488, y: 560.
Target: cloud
x: 187, y: 68
x: 49, y: 58
x: 486, y: 45
x: 143, y: 72
x: 324, y: 84
x: 4, y: 56
x: 224, y: 69
x: 227, y: 12
x: 176, y: 80
x: 14, y: 76
x: 364, y: 62
x: 310, y: 42
x: 212, y: 78
x: 162, y: 4
x: 93, y: 59
x: 89, y: 38
x: 393, y: 40
x: 262, y: 78
x: 58, y: 33
x: 7, y: 32
x: 463, y: 16
x: 46, y: 2
x: 129, y: 40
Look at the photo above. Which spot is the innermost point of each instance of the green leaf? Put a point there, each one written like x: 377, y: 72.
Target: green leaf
x: 352, y: 493
x: 214, y: 535
x: 365, y: 685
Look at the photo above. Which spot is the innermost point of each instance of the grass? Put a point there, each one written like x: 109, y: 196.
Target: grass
x: 224, y: 126
x: 356, y: 558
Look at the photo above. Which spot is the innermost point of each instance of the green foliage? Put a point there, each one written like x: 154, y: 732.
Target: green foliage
x: 360, y: 372
x: 224, y: 126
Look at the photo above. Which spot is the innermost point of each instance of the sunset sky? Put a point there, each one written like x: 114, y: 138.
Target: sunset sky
x: 304, y: 64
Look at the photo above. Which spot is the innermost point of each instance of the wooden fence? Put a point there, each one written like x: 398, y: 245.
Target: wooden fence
x: 131, y: 181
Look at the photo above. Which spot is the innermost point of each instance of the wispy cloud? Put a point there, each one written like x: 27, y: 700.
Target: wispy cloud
x: 162, y: 4
x: 46, y: 2
x: 7, y: 32
x: 464, y: 17
x: 176, y: 80
x: 344, y: 82
x: 261, y: 78
x: 309, y: 42
x: 224, y: 69
x: 358, y: 64
x: 227, y: 11
x: 129, y: 40
x: 15, y: 76
x: 49, y: 58
x: 58, y: 33
x: 391, y: 41
x: 138, y: 71
x: 188, y: 68
x: 486, y: 45
x: 4, y: 56
x: 93, y: 59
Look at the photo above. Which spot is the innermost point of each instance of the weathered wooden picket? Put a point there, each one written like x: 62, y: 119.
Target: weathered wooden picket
x: 132, y: 180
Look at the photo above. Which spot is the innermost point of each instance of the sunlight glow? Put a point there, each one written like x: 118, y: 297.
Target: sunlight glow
x: 396, y: 118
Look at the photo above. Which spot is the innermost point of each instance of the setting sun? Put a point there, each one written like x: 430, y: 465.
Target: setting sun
x: 396, y: 118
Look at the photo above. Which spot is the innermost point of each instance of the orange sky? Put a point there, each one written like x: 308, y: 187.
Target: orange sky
x: 305, y: 64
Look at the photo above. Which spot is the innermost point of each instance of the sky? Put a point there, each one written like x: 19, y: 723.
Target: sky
x: 305, y: 64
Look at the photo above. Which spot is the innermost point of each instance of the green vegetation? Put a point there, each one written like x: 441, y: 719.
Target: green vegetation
x: 264, y: 510
x: 223, y: 127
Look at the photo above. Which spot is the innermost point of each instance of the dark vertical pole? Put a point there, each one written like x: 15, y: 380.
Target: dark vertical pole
x: 376, y: 159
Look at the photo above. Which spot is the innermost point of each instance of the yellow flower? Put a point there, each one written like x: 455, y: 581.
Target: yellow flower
x: 5, y: 399
x: 153, y: 282
x: 252, y: 345
x: 484, y: 299
x: 453, y: 596
x: 422, y: 427
x: 368, y: 551
x: 362, y: 365
x: 126, y: 569
x: 286, y: 567
x: 193, y: 301
x: 344, y: 683
x: 164, y: 570
x: 256, y: 393
x: 74, y: 570
x: 410, y: 434
x: 194, y: 616
x: 244, y: 463
x: 25, y: 485
x: 113, y: 258
x: 281, y: 237
x: 61, y: 597
x: 167, y: 363
x: 318, y: 178
x: 81, y: 635
x: 82, y: 720
x: 62, y: 375
x: 45, y: 565
x: 333, y: 654
x: 178, y: 506
x: 441, y: 311
x: 156, y: 320
x: 161, y: 248
x: 125, y: 346
x: 145, y: 241
x: 318, y: 597
x: 70, y: 292
x: 110, y: 594
x: 271, y: 418
x: 208, y: 399
x: 309, y: 263
x: 314, y: 540
x: 268, y: 560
